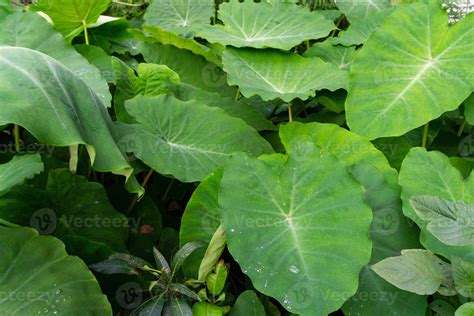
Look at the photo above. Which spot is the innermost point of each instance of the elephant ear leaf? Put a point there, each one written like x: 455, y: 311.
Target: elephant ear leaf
x: 71, y: 17
x: 400, y: 77
x: 5, y: 7
x: 56, y: 107
x: 38, y: 267
x: 19, y: 169
x: 300, y: 210
x: 261, y: 25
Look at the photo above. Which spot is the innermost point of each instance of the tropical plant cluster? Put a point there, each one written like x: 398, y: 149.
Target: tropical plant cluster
x: 201, y: 157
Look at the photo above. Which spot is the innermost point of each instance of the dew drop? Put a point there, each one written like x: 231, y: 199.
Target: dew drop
x: 57, y: 292
x: 294, y: 269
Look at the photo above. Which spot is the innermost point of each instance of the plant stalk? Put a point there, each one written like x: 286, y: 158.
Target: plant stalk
x: 143, y: 184
x: 461, y: 128
x: 424, y: 139
x: 86, y: 34
x: 290, y: 113
x: 16, y: 135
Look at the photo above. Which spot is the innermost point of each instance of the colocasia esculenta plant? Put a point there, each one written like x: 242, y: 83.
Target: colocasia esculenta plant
x: 210, y: 157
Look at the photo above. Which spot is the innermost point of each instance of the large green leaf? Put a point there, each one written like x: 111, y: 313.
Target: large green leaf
x: 179, y: 16
x: 29, y: 30
x: 355, y: 10
x: 70, y: 17
x: 38, y: 277
x: 417, y: 271
x: 18, y: 170
x: 56, y: 107
x: 450, y: 222
x: 430, y: 173
x: 273, y: 74
x: 390, y: 231
x: 260, y: 25
x: 400, y: 77
x: 289, y: 220
x: 187, y: 140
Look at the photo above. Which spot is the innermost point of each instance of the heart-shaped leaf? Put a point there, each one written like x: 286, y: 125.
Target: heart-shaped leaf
x: 390, y: 231
x: 38, y: 277
x: 262, y: 25
x: 187, y: 140
x: 465, y: 310
x: 273, y: 74
x: 297, y: 213
x: 400, y: 77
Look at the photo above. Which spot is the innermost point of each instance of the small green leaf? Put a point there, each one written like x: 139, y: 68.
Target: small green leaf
x: 463, y: 273
x: 120, y: 263
x: 215, y: 281
x: 262, y: 25
x: 213, y: 253
x: 417, y: 271
x: 177, y: 307
x: 274, y: 74
x: 17, y: 170
x: 71, y: 16
x: 154, y: 80
x: 450, y: 222
x: 187, y: 140
x: 247, y: 304
x: 183, y: 253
